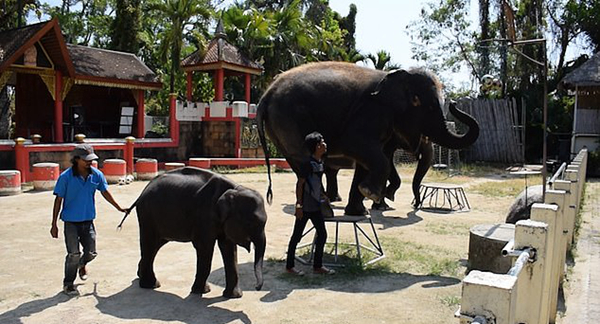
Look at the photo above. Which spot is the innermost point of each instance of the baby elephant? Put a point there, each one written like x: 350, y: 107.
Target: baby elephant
x: 199, y: 206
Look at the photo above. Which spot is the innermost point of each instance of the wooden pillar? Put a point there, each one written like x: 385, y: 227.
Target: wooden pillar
x: 140, y: 114
x: 247, y: 87
x: 219, y: 81
x: 173, y: 123
x: 58, y: 108
x: 189, y: 85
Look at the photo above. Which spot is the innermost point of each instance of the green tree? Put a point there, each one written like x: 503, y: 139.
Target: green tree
x: 178, y: 16
x: 126, y: 26
x: 382, y: 60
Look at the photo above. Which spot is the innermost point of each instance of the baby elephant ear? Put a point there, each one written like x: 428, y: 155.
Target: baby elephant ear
x: 225, y: 204
x: 391, y: 90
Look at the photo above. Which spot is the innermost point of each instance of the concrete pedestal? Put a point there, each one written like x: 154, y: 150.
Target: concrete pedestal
x: 485, y: 247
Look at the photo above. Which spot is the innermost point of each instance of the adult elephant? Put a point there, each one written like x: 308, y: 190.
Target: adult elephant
x: 358, y: 110
x: 199, y: 206
x: 423, y: 153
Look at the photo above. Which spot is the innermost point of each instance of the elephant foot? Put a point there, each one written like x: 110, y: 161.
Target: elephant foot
x: 355, y: 211
x: 234, y: 293
x: 149, y: 284
x: 416, y: 203
x: 198, y: 289
x: 369, y: 193
x: 383, y: 206
x: 390, y: 196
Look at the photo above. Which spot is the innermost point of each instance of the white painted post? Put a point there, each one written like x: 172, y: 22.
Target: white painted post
x: 569, y: 209
x: 557, y: 198
x: 533, y: 283
x: 489, y: 295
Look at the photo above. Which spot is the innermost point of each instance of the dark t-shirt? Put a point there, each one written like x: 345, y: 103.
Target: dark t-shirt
x: 312, y: 171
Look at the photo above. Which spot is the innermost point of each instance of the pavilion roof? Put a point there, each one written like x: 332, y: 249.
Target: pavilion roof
x: 14, y: 42
x: 588, y: 74
x: 86, y: 65
x: 220, y: 54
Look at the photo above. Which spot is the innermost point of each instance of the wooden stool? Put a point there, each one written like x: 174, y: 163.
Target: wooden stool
x: 375, y: 245
x: 451, y: 198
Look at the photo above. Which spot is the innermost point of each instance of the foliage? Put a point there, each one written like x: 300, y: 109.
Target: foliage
x: 13, y: 13
x: 160, y: 129
x: 126, y: 25
x: 382, y: 61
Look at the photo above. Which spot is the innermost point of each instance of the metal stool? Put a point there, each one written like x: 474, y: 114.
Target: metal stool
x: 375, y: 245
x: 448, y: 197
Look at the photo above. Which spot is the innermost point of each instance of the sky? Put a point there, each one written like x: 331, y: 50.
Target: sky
x: 381, y: 25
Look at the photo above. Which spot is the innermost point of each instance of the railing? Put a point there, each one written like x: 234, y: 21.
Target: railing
x: 528, y: 293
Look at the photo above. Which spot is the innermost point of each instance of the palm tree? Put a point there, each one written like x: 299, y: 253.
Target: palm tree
x: 178, y: 15
x: 382, y: 60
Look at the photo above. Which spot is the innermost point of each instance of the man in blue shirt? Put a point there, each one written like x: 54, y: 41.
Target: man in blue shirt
x: 74, y: 192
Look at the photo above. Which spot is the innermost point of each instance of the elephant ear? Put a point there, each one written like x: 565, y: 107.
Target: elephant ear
x: 392, y: 89
x: 225, y: 204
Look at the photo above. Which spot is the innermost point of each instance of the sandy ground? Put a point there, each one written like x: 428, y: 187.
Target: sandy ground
x: 31, y: 268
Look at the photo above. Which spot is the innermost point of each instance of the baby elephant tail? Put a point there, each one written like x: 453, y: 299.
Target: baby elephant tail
x: 126, y: 214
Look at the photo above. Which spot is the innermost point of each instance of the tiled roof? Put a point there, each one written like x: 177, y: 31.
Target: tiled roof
x: 588, y: 74
x: 101, y: 63
x: 219, y: 50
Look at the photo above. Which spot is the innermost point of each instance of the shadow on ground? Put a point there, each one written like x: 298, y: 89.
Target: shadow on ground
x: 32, y: 307
x: 278, y: 284
x: 137, y: 303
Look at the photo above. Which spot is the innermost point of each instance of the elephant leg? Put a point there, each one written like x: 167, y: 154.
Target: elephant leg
x: 204, y: 254
x: 229, y: 254
x: 150, y: 243
x: 425, y: 157
x: 355, y: 200
x: 332, y: 185
x: 378, y: 167
x: 394, y: 182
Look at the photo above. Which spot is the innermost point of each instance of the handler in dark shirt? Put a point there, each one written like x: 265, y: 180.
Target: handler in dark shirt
x: 309, y: 197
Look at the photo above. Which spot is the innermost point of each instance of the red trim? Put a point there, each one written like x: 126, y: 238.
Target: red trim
x: 219, y: 80
x: 128, y: 156
x: 173, y: 123
x: 188, y: 87
x: 247, y: 86
x: 58, y: 108
x: 140, y: 115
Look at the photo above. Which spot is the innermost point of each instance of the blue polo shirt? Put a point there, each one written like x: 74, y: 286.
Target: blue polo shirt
x: 78, y: 194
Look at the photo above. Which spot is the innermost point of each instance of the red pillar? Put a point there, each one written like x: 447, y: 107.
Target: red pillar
x: 189, y: 85
x: 140, y: 114
x: 128, y: 153
x: 58, y: 108
x: 219, y: 80
x: 173, y: 123
x: 247, y: 87
x: 22, y: 158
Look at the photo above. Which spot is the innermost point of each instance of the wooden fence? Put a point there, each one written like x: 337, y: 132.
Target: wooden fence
x: 501, y: 135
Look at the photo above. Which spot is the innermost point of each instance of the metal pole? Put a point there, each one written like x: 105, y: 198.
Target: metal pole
x: 544, y: 145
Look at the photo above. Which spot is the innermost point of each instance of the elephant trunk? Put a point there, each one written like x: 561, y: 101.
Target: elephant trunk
x: 448, y: 139
x: 259, y: 253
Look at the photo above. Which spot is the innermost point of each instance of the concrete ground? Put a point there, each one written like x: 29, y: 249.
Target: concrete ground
x: 31, y: 267
x: 582, y: 290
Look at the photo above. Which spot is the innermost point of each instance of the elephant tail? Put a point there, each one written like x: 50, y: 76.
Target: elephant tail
x: 127, y: 214
x: 261, y: 116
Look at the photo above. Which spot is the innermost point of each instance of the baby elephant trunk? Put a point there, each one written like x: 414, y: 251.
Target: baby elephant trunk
x: 259, y: 253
